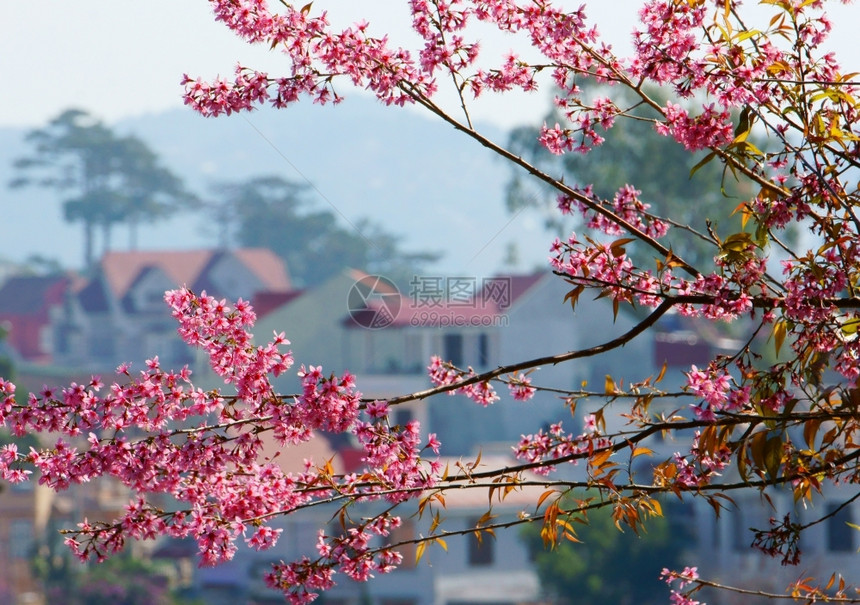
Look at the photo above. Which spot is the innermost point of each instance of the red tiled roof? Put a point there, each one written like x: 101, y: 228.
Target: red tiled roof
x: 266, y: 265
x: 32, y: 294
x: 412, y: 313
x: 521, y: 284
x: 266, y: 302
x: 121, y: 269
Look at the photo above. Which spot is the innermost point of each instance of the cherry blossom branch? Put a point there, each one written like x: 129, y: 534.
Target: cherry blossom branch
x: 553, y: 182
x: 541, y: 361
x: 799, y: 591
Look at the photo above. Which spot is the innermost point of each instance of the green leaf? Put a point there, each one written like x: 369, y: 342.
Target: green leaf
x: 744, y: 125
x: 609, y: 387
x: 773, y: 456
x: 850, y: 327
x: 779, y: 332
x: 747, y: 35
x: 702, y: 162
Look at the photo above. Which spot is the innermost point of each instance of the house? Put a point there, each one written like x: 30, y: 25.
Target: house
x: 25, y: 512
x: 119, y: 314
x: 316, y: 322
x: 27, y: 304
x: 359, y: 323
x: 386, y: 337
x: 484, y: 323
x: 240, y: 579
x: 494, y: 570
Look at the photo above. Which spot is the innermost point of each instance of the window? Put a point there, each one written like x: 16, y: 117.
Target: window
x: 481, y: 549
x: 46, y: 338
x: 153, y: 298
x: 742, y: 536
x: 483, y: 350
x: 21, y: 539
x: 453, y: 347
x: 839, y: 534
x: 402, y: 416
x: 62, y: 337
x: 750, y: 515
x: 413, y: 353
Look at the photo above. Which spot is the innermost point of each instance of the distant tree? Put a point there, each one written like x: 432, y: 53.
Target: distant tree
x: 275, y: 213
x: 590, y: 571
x: 686, y: 194
x: 97, y: 208
x: 383, y: 254
x: 73, y: 153
x: 122, y: 580
x: 151, y: 191
x: 105, y: 179
x: 39, y: 264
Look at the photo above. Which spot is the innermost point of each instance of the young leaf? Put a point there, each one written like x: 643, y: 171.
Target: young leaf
x: 779, y: 332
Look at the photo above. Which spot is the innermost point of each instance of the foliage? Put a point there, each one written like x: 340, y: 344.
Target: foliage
x: 123, y: 580
x: 105, y: 179
x: 577, y: 571
x: 787, y: 426
x: 38, y: 264
x: 274, y: 213
x: 631, y: 154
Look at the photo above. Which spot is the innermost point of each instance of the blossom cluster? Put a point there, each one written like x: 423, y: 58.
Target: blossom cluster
x: 626, y: 206
x: 702, y: 465
x: 301, y: 581
x: 204, y: 449
x: 545, y: 449
x: 606, y: 266
x: 521, y: 388
x: 684, y: 578
x: 445, y: 374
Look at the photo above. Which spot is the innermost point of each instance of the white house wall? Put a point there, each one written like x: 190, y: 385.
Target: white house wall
x: 313, y: 323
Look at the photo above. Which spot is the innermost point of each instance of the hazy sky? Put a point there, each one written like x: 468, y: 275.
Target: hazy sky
x: 119, y: 58
x: 122, y: 58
